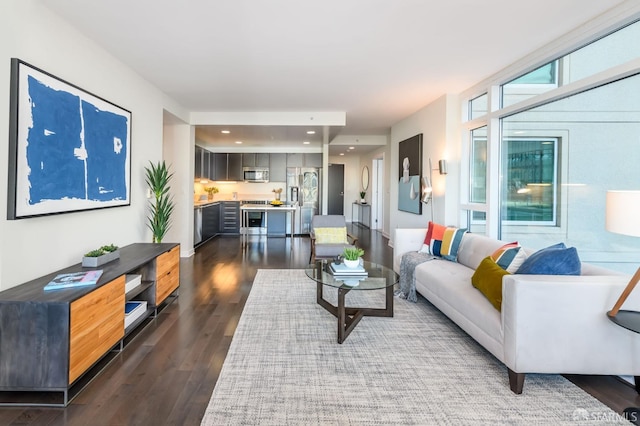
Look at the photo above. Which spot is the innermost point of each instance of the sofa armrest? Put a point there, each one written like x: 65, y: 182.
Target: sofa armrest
x: 406, y: 240
x: 559, y: 324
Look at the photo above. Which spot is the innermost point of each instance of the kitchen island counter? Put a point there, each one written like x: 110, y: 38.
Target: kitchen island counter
x: 245, y: 209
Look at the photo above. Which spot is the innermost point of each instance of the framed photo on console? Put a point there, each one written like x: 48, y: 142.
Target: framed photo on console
x: 69, y: 150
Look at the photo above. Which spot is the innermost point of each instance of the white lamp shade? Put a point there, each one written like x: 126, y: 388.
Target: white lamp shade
x: 622, y: 212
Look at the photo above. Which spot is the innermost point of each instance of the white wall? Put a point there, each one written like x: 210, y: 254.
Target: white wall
x: 438, y: 124
x: 178, y: 153
x: 33, y: 247
x: 367, y: 160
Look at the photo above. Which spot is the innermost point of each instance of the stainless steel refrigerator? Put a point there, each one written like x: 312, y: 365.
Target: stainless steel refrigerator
x: 304, y: 187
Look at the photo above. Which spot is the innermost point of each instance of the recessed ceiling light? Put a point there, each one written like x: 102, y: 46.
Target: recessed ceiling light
x: 226, y: 132
x: 352, y: 147
x: 311, y: 132
x: 306, y: 142
x: 342, y: 153
x: 238, y: 142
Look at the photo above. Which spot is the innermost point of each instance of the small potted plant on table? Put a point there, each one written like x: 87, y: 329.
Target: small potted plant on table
x: 352, y: 256
x: 362, y: 195
x: 100, y: 256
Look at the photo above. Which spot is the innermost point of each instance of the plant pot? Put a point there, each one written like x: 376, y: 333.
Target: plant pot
x: 351, y: 263
x: 92, y: 262
x: 363, y: 201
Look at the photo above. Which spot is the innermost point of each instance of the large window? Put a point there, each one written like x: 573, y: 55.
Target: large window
x: 554, y: 157
x: 529, y: 184
x: 605, y: 53
x: 567, y: 154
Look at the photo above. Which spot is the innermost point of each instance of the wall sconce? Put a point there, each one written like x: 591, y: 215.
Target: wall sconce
x: 442, y: 167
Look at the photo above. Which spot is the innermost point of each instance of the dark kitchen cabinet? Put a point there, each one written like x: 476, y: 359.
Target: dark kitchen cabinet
x: 234, y: 167
x: 197, y: 169
x: 278, y: 167
x: 260, y: 159
x: 227, y: 166
x: 276, y: 223
x: 210, y: 221
x: 230, y: 217
x: 313, y: 159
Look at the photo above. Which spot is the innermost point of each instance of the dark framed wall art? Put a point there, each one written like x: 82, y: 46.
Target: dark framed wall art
x: 69, y: 150
x: 410, y: 170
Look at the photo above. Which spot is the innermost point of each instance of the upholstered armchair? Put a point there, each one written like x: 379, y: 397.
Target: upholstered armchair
x: 329, y: 237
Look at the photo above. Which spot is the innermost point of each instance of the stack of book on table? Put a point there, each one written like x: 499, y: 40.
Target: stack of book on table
x: 341, y: 270
x: 349, y: 276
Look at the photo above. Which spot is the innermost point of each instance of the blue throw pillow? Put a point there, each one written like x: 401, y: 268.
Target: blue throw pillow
x: 554, y: 260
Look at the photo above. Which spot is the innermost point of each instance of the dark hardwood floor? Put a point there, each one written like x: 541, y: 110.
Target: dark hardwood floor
x: 165, y: 376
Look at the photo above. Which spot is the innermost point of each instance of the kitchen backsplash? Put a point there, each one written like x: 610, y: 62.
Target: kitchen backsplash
x: 244, y: 190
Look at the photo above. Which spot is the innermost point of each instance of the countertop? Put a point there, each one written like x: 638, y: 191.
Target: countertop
x: 241, y: 198
x: 262, y: 207
x: 205, y: 203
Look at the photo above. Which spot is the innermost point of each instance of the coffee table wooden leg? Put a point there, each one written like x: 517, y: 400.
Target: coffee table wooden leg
x: 342, y: 316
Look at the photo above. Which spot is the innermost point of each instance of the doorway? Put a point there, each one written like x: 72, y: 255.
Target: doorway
x: 377, y: 194
x: 335, y: 191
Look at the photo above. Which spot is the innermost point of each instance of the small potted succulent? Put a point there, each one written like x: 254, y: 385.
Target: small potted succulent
x: 100, y: 256
x: 362, y: 195
x: 352, y: 256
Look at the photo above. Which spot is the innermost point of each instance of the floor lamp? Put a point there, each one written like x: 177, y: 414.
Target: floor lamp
x: 622, y: 208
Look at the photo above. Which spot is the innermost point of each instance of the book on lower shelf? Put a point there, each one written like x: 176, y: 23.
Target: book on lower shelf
x: 133, y: 310
x: 339, y: 269
x: 74, y: 279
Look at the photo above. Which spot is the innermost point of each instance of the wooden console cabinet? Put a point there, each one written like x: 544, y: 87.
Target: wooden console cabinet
x: 53, y: 342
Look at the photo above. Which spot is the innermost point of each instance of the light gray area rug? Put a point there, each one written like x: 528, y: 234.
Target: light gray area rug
x: 285, y: 367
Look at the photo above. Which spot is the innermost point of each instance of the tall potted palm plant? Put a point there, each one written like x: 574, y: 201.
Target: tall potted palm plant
x: 161, y: 207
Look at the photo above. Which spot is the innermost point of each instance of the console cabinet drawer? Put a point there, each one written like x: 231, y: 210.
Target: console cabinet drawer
x: 167, y: 274
x: 97, y: 324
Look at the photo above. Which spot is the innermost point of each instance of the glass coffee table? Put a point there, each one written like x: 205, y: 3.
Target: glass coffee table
x: 378, y: 278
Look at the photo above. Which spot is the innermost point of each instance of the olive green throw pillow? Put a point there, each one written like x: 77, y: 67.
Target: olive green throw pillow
x: 488, y: 279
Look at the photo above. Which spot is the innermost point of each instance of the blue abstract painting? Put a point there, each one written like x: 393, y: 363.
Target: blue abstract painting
x: 72, y: 148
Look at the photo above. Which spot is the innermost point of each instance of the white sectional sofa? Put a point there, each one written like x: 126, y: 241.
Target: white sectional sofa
x: 554, y: 324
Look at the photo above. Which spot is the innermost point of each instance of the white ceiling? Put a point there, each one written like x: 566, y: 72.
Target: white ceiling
x: 376, y: 60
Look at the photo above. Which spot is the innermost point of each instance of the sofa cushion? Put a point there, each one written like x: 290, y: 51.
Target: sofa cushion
x: 476, y: 247
x: 331, y: 235
x: 443, y: 241
x: 488, y: 279
x: 510, y: 257
x: 553, y: 260
x: 450, y: 284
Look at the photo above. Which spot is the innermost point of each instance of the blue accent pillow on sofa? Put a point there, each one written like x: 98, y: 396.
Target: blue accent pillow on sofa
x: 553, y: 260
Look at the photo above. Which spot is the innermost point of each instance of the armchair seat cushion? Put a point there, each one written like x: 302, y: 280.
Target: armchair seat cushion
x: 330, y: 250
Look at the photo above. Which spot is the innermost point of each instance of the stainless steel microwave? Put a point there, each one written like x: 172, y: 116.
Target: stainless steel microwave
x: 256, y: 174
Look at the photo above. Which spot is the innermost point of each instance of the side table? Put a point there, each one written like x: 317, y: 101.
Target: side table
x: 631, y: 321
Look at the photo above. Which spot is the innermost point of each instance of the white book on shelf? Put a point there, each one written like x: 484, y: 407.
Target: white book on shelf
x: 133, y: 310
x: 132, y: 281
